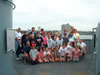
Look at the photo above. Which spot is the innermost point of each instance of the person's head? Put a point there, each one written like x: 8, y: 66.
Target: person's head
x: 72, y: 44
x: 33, y: 29
x: 76, y: 41
x: 26, y: 37
x: 30, y: 35
x: 70, y: 36
x: 19, y: 30
x: 60, y: 37
x: 27, y: 43
x: 44, y: 35
x: 49, y: 36
x: 80, y: 41
x: 72, y: 27
x: 63, y: 45
x: 42, y: 30
x: 24, y: 32
x: 57, y: 34
x: 41, y: 50
x: 65, y: 31
x: 46, y: 48
x: 33, y: 46
x: 76, y: 47
x: 71, y: 33
x: 38, y: 34
x: 64, y: 34
x: 55, y: 38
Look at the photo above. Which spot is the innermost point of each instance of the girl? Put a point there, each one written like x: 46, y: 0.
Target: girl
x: 44, y: 40
x: 40, y: 57
x: 46, y: 55
x: 75, y: 53
x: 69, y: 51
x: 62, y: 52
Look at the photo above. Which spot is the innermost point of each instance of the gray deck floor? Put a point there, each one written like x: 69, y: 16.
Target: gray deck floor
x: 58, y: 68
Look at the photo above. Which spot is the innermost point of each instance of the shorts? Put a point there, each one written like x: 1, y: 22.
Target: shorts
x: 45, y: 45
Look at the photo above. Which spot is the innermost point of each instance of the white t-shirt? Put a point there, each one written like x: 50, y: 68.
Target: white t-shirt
x: 46, y: 53
x: 62, y: 51
x: 69, y: 48
x: 71, y: 40
x: 49, y: 43
x: 82, y: 45
x: 18, y: 35
x: 54, y: 43
x: 60, y: 42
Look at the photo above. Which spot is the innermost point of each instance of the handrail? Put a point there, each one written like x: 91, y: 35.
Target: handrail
x: 14, y: 6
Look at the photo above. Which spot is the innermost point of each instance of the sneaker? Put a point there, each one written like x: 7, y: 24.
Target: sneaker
x: 17, y: 59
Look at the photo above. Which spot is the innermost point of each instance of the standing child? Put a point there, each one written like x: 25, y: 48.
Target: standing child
x: 76, y: 53
x: 62, y: 52
x: 33, y: 55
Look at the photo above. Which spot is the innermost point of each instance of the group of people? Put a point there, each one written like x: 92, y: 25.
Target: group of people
x: 38, y: 47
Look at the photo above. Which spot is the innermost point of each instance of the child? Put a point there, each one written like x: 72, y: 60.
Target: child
x: 46, y: 55
x: 40, y: 58
x: 56, y: 54
x: 69, y: 51
x: 59, y: 41
x: 33, y: 55
x: 62, y: 52
x: 51, y: 55
x: 75, y: 53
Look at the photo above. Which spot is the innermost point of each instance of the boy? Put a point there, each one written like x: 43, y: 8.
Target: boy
x: 33, y: 55
x: 56, y: 54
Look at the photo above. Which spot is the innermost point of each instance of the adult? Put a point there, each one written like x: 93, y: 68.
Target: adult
x: 82, y: 47
x: 76, y: 34
x: 18, y: 42
x: 23, y: 38
x: 39, y: 41
x: 26, y: 51
x: 33, y: 31
x: 49, y: 41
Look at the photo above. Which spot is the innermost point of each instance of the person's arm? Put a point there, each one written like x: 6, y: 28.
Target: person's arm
x: 72, y: 52
x: 41, y: 42
x: 32, y: 57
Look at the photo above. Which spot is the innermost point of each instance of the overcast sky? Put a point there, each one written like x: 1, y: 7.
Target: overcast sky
x: 50, y: 14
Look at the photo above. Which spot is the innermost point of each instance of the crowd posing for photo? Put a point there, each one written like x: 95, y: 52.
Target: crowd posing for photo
x: 40, y: 47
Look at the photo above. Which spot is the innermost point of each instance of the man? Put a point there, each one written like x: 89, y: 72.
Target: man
x: 39, y: 41
x: 18, y: 43
x: 33, y: 31
x: 82, y: 47
x: 26, y: 51
x: 23, y: 38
